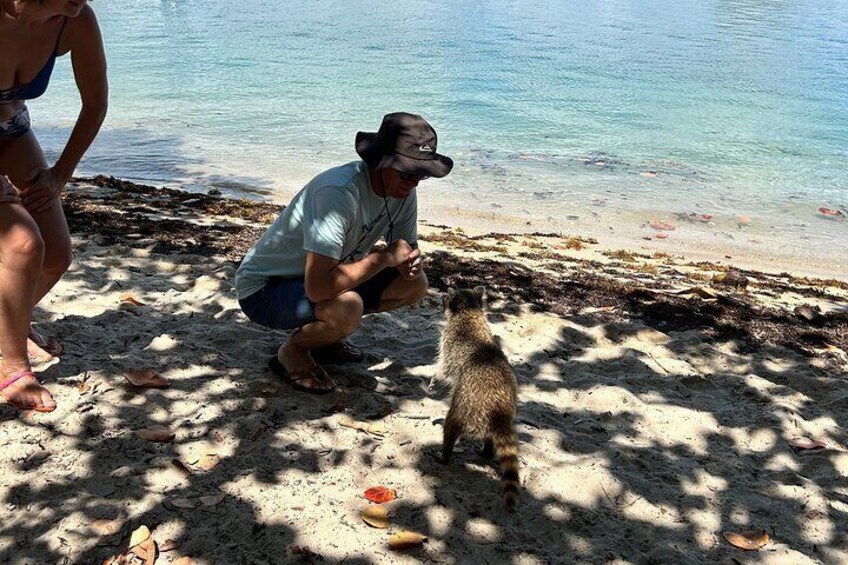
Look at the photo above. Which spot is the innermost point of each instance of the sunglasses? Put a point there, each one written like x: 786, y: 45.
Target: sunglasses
x: 413, y: 176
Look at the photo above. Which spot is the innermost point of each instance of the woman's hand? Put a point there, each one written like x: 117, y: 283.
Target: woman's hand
x: 43, y: 188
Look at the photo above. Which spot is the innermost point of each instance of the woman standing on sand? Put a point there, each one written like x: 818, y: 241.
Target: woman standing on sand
x: 35, y: 246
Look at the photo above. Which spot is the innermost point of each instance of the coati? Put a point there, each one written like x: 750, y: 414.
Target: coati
x: 484, y: 386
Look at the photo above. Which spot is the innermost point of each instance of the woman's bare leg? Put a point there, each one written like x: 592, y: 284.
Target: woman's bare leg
x: 21, y: 256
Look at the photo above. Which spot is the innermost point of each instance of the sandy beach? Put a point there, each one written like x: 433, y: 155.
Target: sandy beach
x: 665, y: 401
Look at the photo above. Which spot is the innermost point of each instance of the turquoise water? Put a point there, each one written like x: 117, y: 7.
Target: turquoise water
x: 553, y: 109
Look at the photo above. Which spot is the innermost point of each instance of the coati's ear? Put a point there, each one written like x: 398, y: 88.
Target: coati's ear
x: 480, y: 292
x: 451, y: 292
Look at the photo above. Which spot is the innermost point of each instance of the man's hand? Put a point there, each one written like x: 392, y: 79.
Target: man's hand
x: 44, y: 186
x: 400, y: 252
x: 412, y: 267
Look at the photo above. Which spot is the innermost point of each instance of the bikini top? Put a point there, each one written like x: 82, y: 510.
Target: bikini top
x: 37, y: 86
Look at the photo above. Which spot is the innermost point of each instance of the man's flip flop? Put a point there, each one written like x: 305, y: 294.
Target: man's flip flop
x: 339, y: 352
x: 20, y: 405
x: 294, y: 378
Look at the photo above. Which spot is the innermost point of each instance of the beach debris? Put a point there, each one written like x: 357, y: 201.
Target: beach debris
x: 182, y: 503
x: 744, y: 221
x: 649, y: 174
x: 336, y: 408
x: 380, y: 494
x: 660, y: 225
x: 705, y: 218
x: 210, y: 500
x: 731, y: 278
x: 406, y: 540
x: 662, y: 235
x: 141, y: 550
x: 130, y: 298
x: 599, y: 202
x: 376, y: 516
x: 804, y: 444
x: 747, y: 540
x: 84, y: 386
x: 145, y: 378
x: 169, y: 545
x: 808, y: 313
x: 375, y: 428
x: 198, y: 462
x: 156, y: 434
x: 830, y: 213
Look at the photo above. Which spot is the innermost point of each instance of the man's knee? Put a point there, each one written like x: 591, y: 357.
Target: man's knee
x: 343, y: 313
x: 23, y: 249
x: 418, y: 288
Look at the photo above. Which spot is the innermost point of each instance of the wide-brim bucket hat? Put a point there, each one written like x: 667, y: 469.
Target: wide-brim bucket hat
x: 405, y: 142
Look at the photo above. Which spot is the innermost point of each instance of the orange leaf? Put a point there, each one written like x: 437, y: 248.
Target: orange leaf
x: 380, y: 494
x: 128, y: 297
x: 406, y: 540
x: 145, y: 378
x: 749, y: 541
x: 156, y: 434
x: 376, y: 516
x: 107, y: 527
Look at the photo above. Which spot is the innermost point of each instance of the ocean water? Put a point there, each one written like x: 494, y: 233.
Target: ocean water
x: 558, y: 113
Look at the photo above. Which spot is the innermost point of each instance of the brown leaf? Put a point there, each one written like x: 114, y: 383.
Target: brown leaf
x: 406, y: 540
x: 376, y: 516
x: 145, y: 378
x: 146, y: 551
x: 260, y: 429
x: 376, y: 428
x: 207, y: 461
x: 156, y: 434
x: 748, y: 540
x: 129, y: 298
x: 380, y: 494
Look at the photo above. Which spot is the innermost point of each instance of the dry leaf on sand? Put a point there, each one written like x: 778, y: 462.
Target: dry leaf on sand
x: 184, y: 503
x: 129, y: 298
x: 749, y: 541
x: 380, y: 494
x: 156, y: 434
x: 804, y: 444
x: 139, y: 535
x: 659, y: 225
x: 198, y: 462
x: 376, y: 516
x: 376, y: 428
x: 212, y: 499
x: 406, y: 540
x: 146, y: 378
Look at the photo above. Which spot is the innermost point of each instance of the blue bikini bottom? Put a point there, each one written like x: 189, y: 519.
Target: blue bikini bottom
x: 15, y: 126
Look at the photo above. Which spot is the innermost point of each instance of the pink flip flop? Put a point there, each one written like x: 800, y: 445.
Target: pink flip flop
x: 15, y: 404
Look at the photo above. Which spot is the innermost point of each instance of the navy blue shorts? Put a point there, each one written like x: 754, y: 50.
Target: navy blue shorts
x: 282, y: 303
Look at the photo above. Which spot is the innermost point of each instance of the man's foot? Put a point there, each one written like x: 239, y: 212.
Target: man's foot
x: 339, y: 352
x: 23, y: 391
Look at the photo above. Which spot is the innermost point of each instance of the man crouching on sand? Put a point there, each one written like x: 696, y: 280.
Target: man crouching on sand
x: 314, y: 269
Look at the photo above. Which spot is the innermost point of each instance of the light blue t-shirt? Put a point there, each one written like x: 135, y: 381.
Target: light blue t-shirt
x: 336, y: 214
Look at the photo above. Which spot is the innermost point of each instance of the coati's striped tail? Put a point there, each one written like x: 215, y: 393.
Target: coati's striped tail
x: 506, y: 446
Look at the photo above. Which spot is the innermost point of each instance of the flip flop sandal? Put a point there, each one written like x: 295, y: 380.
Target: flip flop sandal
x: 339, y: 352
x: 20, y: 405
x: 294, y: 378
